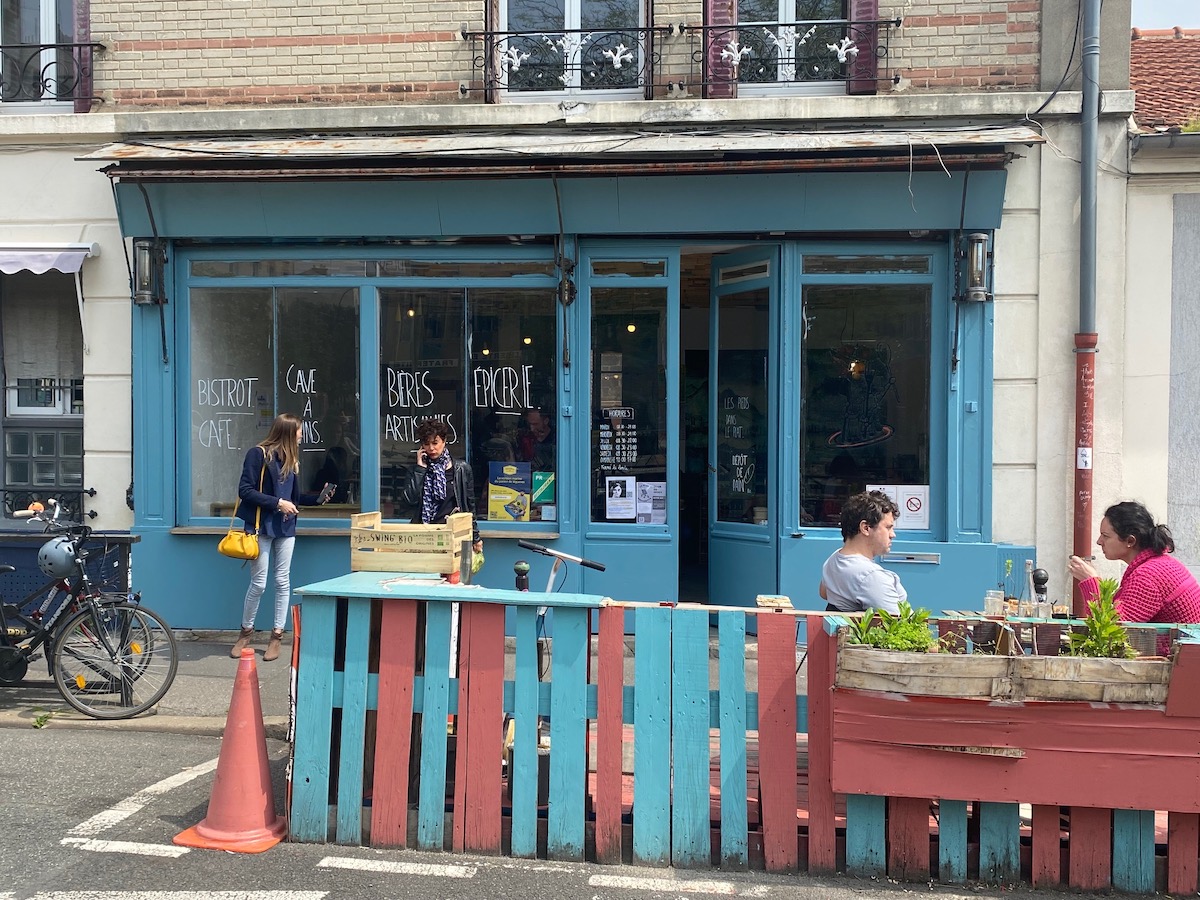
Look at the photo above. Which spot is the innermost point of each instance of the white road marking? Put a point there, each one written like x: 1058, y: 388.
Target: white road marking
x: 397, y: 868
x: 676, y: 886
x: 178, y: 895
x: 98, y: 846
x: 122, y: 810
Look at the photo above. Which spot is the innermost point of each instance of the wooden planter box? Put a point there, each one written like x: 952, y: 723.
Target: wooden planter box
x: 1015, y: 678
x: 376, y: 546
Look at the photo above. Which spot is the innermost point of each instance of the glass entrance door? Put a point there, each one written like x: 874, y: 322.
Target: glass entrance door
x: 632, y: 461
x: 742, y: 465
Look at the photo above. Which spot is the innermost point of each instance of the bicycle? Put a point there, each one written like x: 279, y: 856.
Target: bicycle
x: 110, y: 657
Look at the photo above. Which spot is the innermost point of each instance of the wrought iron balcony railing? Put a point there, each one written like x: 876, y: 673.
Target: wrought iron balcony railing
x: 851, y: 55
x: 39, y: 73
x: 681, y: 59
x: 569, y: 61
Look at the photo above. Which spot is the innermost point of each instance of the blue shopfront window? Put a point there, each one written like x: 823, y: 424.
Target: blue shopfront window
x: 259, y: 351
x: 866, y: 386
x: 470, y: 341
x: 481, y: 359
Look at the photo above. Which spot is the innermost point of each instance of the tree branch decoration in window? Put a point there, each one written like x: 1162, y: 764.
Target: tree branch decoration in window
x: 867, y: 379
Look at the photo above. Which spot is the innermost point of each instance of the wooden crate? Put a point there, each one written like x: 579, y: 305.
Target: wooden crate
x: 376, y: 546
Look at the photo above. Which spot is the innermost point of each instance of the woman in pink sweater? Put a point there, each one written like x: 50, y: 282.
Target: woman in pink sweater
x: 1156, y: 587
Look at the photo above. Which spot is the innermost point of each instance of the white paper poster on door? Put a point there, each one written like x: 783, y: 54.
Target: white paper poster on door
x: 913, y: 500
x: 619, y: 499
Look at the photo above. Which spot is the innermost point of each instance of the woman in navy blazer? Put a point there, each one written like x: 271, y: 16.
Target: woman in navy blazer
x: 275, y: 463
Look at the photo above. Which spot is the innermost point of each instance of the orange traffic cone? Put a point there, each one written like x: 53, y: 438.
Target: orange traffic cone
x: 241, y: 811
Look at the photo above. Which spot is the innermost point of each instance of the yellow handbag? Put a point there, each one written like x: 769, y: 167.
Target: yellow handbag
x: 239, y: 543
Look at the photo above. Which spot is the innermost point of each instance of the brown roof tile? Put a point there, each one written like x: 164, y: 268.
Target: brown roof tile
x: 1164, y: 69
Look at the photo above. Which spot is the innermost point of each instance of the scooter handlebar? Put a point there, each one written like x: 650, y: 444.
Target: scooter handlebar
x: 546, y: 551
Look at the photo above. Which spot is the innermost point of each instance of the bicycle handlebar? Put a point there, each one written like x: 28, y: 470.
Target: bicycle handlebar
x: 52, y: 522
x: 546, y: 551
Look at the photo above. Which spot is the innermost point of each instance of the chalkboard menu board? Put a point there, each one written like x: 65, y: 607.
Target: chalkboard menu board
x: 258, y: 352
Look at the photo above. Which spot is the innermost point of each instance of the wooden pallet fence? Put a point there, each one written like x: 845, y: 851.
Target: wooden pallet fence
x: 925, y: 769
x: 374, y: 764
x: 912, y: 786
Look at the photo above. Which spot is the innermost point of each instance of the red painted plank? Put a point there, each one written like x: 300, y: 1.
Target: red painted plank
x: 886, y: 744
x: 1183, y: 844
x: 609, y: 734
x: 1047, y: 847
x: 1090, y: 867
x: 1183, y: 693
x: 777, y: 739
x: 908, y: 839
x: 480, y: 742
x: 393, y: 730
x: 822, y: 834
x: 462, y: 726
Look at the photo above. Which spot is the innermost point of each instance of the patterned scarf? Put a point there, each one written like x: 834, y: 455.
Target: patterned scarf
x: 434, y: 494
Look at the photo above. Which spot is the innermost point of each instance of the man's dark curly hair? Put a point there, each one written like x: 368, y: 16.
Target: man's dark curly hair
x: 869, y: 507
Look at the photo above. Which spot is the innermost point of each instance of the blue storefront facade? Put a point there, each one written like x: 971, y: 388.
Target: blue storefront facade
x: 679, y: 372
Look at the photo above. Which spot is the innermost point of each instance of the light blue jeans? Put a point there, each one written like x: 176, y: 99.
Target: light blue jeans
x: 276, y: 554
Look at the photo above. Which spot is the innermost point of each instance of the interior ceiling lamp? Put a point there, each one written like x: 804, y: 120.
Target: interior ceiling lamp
x: 978, y: 262
x: 149, y: 266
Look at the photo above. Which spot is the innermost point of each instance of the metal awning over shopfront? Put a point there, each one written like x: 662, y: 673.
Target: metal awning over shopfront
x: 482, y: 155
x: 453, y: 185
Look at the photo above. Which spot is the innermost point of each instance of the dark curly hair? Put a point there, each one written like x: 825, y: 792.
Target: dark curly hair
x: 432, y: 428
x: 1132, y: 520
x: 869, y: 507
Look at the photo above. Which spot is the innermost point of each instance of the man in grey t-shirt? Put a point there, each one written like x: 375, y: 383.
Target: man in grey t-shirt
x: 851, y: 580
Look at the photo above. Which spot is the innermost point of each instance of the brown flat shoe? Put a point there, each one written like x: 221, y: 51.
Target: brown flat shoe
x: 241, y: 643
x: 273, y: 646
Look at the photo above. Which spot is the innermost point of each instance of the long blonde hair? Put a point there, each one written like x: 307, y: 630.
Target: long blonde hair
x: 283, y: 444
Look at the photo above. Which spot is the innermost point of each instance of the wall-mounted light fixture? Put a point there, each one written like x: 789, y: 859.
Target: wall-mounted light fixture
x: 978, y: 263
x: 149, y: 266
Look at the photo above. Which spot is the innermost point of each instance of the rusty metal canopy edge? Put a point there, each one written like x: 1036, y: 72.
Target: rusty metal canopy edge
x: 624, y: 151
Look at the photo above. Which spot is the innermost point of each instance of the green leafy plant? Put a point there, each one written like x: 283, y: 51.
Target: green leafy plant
x: 42, y: 719
x: 1103, y: 634
x: 907, y: 630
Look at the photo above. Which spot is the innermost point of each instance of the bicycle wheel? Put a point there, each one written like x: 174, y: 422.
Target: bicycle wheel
x: 114, y: 661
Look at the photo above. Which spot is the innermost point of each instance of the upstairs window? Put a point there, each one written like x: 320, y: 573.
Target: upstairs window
x: 573, y: 46
x: 794, y: 42
x: 38, y: 63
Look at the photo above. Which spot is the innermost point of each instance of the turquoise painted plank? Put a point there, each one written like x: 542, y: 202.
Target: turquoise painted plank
x: 952, y: 841
x: 1133, y: 851
x: 354, y: 722
x: 866, y: 829
x: 385, y: 584
x: 568, y: 734
x: 309, y: 819
x: 524, y: 775
x: 731, y: 700
x: 372, y: 690
x: 999, y: 842
x: 691, y: 845
x: 431, y: 803
x: 652, y: 736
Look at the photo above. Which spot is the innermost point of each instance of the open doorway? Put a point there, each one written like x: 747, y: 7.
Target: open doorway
x: 694, y: 315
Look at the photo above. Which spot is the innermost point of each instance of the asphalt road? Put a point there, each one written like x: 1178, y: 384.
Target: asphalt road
x: 89, y: 815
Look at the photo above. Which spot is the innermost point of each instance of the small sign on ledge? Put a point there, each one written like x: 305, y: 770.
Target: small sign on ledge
x: 773, y: 601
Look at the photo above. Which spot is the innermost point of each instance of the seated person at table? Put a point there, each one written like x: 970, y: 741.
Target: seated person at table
x: 1156, y: 587
x: 851, y: 580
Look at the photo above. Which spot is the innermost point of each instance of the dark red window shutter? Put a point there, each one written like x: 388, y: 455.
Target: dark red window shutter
x: 491, y: 66
x: 718, y: 74
x: 864, y: 70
